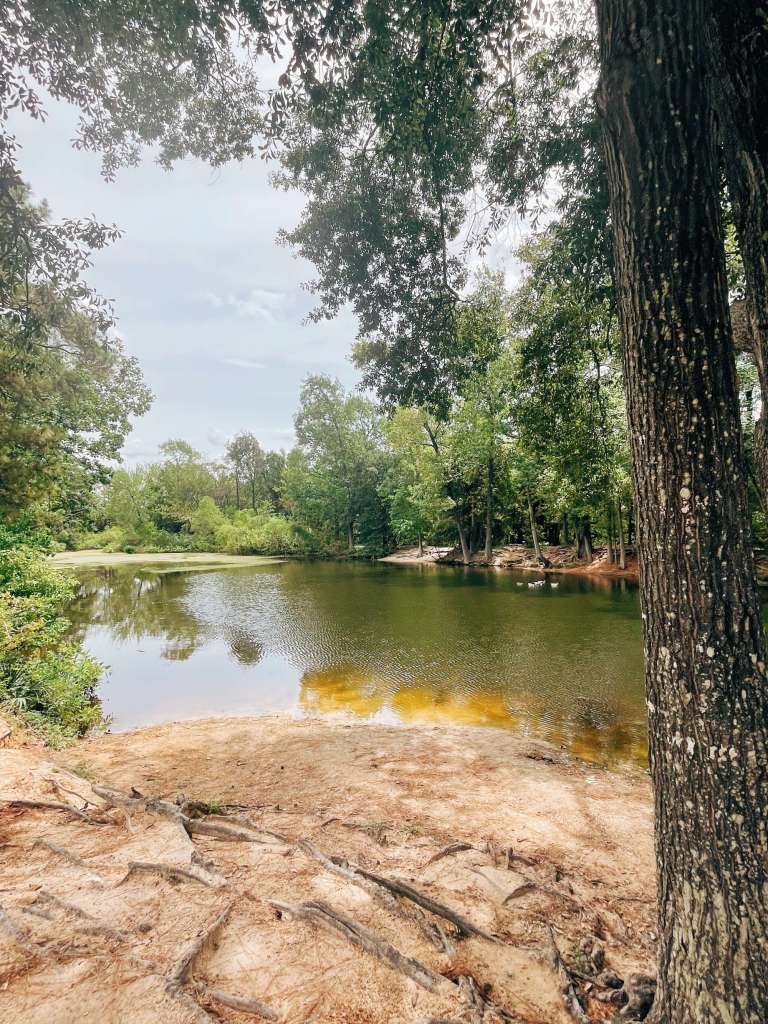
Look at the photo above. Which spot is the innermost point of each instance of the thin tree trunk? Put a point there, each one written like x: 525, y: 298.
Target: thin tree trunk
x: 586, y: 534
x: 489, y: 515
x: 237, y: 490
x: 465, y: 556
x: 421, y: 546
x: 609, y: 547
x: 535, y: 533
x: 620, y: 529
x: 350, y: 536
x: 704, y: 647
x: 564, y: 530
x: 739, y: 44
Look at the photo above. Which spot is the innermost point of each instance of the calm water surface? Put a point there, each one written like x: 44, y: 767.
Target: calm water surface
x: 385, y: 642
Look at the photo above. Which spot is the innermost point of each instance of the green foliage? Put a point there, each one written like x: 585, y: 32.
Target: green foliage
x: 45, y: 677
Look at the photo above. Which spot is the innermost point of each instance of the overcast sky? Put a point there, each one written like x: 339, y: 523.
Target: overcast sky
x: 205, y: 298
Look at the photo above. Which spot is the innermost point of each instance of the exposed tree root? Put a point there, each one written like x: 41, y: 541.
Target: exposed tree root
x: 355, y: 873
x: 449, y: 851
x: 182, y: 967
x: 528, y: 886
x: 463, y: 926
x: 229, y: 833
x: 431, y: 930
x: 568, y: 985
x: 171, y: 873
x: 317, y: 912
x: 192, y: 826
x: 199, y: 1015
x: 87, y: 923
x: 72, y: 858
x: 479, y: 1007
x: 54, y: 805
x: 254, y: 1006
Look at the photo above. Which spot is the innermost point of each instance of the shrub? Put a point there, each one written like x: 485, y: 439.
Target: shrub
x: 45, y: 676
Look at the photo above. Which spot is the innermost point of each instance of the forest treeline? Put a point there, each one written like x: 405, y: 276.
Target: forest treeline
x: 528, y: 445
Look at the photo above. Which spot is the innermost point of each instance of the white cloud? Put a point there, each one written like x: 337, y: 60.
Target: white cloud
x: 245, y: 364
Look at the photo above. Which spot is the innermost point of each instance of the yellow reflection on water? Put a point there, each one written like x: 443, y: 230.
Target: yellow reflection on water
x: 340, y: 689
x: 348, y: 689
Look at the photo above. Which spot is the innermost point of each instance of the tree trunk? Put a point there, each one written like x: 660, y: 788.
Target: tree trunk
x: 704, y: 647
x: 237, y: 490
x: 739, y: 44
x: 620, y: 530
x: 535, y: 534
x: 489, y: 515
x: 609, y: 546
x: 253, y: 495
x: 350, y: 536
x: 586, y: 535
x: 465, y: 556
x: 421, y: 546
x: 564, y: 530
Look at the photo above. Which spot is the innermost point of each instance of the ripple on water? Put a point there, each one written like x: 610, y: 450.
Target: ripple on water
x: 388, y: 642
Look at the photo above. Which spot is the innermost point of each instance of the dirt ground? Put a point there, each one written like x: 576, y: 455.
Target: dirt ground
x: 509, y: 834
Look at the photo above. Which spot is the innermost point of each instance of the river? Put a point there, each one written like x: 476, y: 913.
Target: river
x: 423, y: 643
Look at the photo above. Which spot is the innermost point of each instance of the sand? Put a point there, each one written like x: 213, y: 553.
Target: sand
x: 386, y: 798
x: 94, y: 558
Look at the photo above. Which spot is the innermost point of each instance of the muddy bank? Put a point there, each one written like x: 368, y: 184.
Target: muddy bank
x: 220, y: 901
x: 561, y: 558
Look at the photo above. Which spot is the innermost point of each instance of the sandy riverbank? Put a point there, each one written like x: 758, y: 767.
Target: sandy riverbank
x: 517, y: 556
x: 507, y: 832
x: 96, y: 558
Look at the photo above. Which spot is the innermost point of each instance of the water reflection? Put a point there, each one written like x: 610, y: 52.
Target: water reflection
x: 427, y: 644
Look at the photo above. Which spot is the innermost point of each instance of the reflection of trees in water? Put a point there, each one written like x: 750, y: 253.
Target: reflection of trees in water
x: 138, y: 604
x: 585, y: 728
x: 244, y: 648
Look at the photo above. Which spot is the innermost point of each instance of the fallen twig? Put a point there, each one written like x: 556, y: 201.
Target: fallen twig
x: 568, y: 985
x: 321, y: 913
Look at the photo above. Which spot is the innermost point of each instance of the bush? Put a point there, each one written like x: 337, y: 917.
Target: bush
x: 45, y: 676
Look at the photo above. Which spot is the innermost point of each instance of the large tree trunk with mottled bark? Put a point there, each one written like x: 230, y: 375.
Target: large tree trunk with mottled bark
x: 739, y: 48
x: 704, y: 647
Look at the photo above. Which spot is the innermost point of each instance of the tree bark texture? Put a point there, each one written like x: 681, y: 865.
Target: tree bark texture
x: 739, y: 47
x: 704, y: 646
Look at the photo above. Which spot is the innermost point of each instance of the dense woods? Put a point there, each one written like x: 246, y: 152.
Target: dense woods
x: 633, y: 144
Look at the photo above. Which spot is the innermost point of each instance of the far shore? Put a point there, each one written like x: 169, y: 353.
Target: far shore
x: 521, y: 558
x: 95, y: 557
x: 524, y: 842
